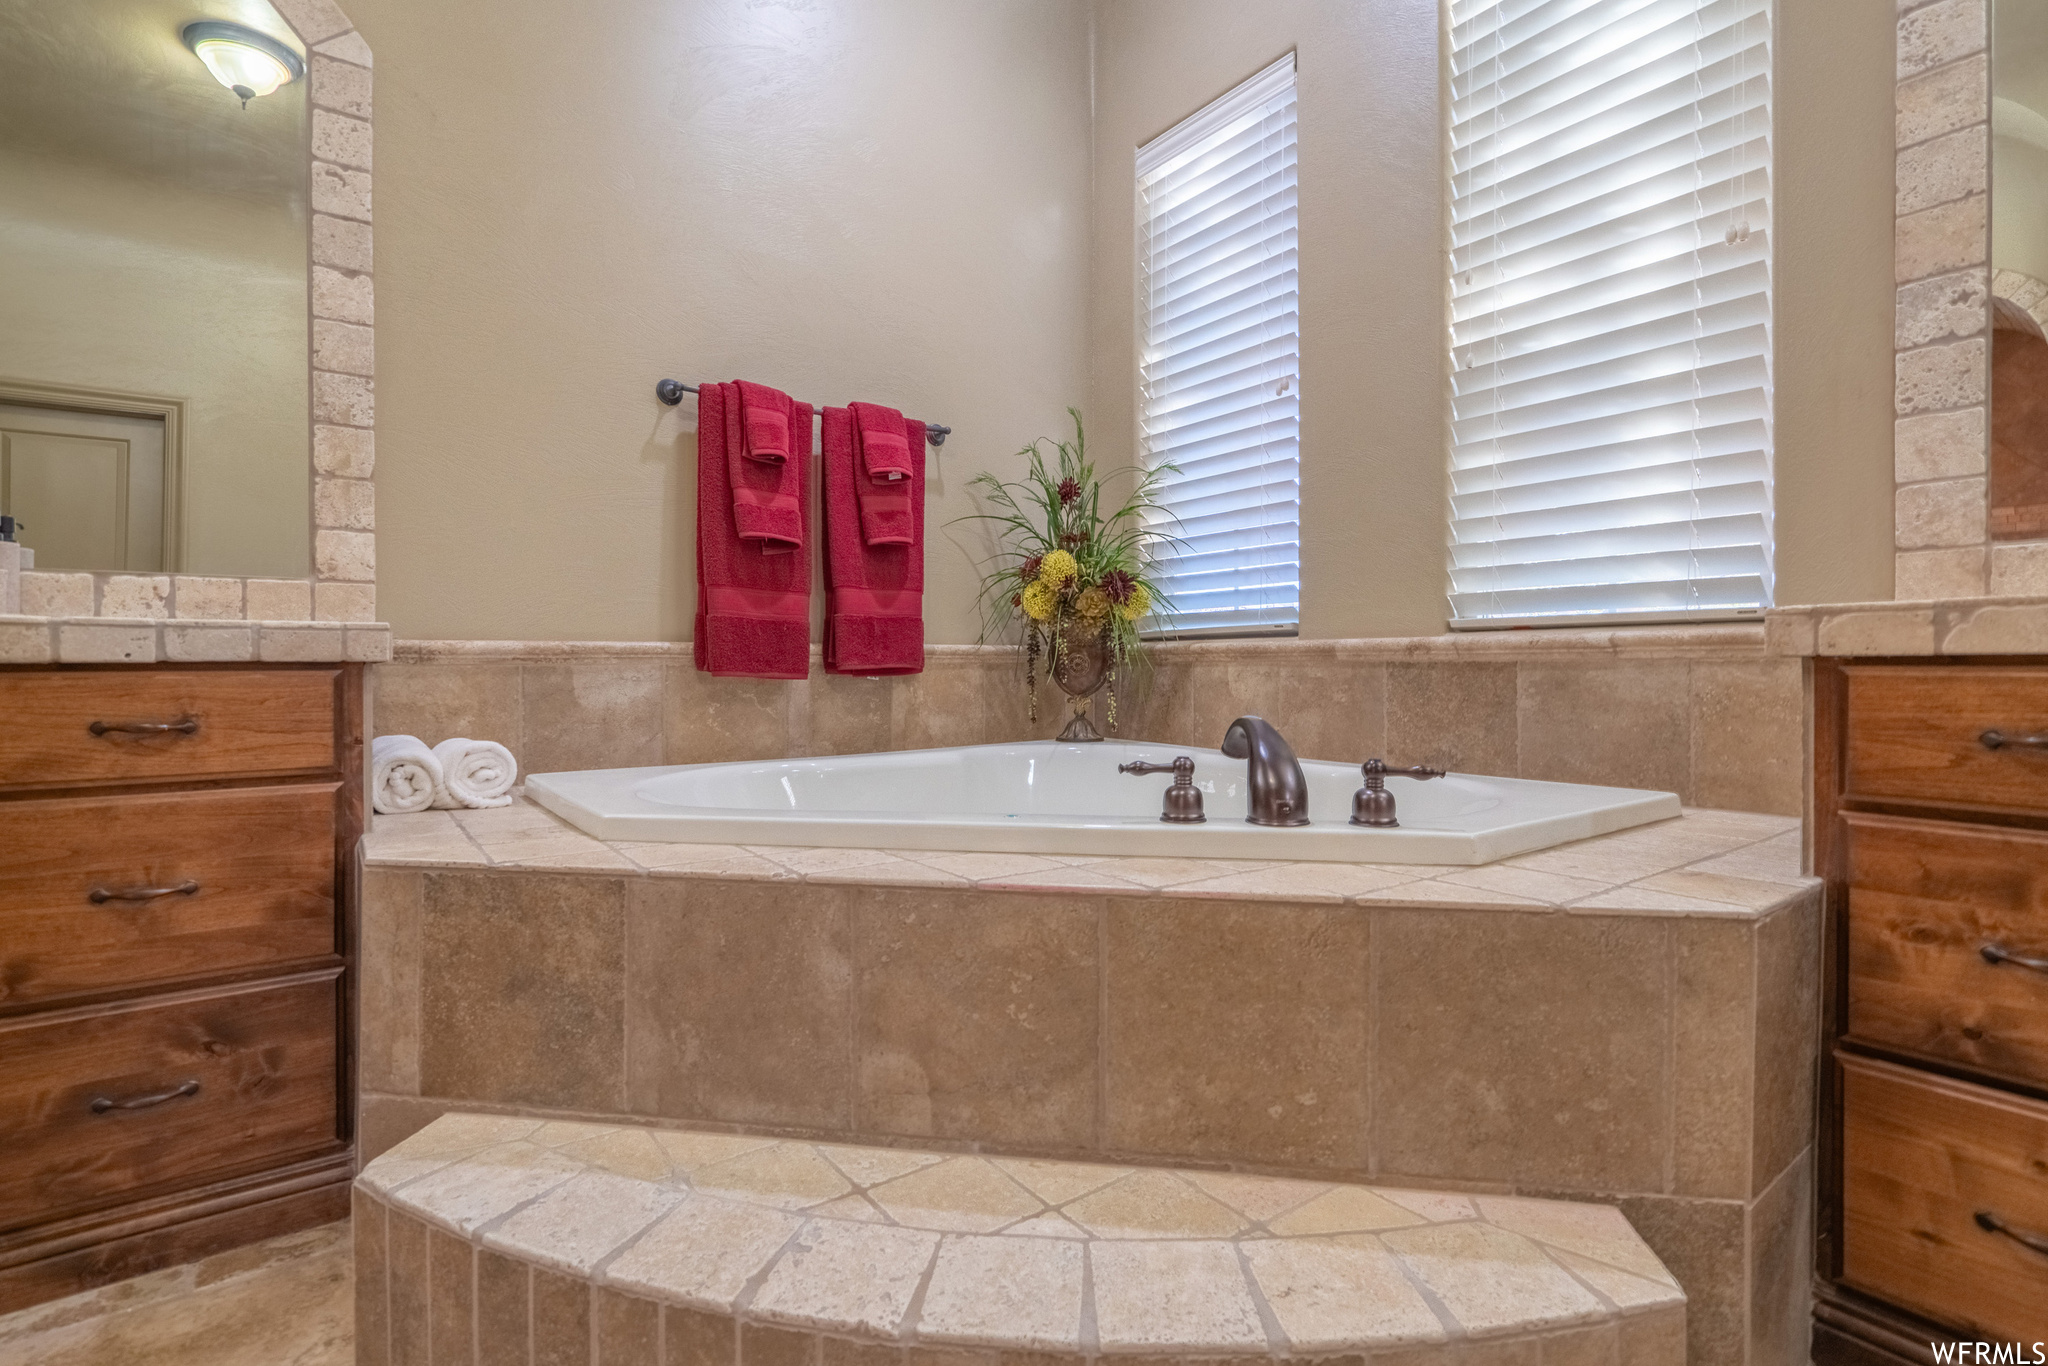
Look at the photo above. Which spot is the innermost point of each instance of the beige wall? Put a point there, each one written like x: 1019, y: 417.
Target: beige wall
x: 879, y: 199
x: 111, y: 281
x: 893, y: 199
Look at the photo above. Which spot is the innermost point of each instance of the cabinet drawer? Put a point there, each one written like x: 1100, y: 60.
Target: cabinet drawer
x: 151, y: 725
x: 1926, y: 1161
x: 1916, y: 734
x: 1927, y: 899
x: 101, y: 1106
x: 260, y: 862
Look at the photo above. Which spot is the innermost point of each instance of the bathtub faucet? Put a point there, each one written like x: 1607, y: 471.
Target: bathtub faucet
x: 1279, y: 792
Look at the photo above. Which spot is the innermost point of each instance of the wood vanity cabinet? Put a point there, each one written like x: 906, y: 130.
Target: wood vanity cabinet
x: 1931, y: 829
x: 177, y: 867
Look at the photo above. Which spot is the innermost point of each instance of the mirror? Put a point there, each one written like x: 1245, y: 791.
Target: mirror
x: 2018, y: 491
x: 153, y: 286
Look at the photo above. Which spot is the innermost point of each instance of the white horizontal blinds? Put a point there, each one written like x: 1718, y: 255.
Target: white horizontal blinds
x: 1611, y: 308
x: 1219, y: 371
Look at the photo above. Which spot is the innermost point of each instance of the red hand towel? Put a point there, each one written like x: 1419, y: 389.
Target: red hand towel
x: 874, y: 612
x: 767, y: 486
x: 753, y: 606
x: 884, y: 472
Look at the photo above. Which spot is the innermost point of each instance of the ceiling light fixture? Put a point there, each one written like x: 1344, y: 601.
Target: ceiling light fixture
x: 245, y: 61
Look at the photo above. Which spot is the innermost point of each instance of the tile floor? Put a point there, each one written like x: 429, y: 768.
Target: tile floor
x: 285, y: 1302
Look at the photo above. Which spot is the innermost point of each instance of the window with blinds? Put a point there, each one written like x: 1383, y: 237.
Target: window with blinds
x: 1610, y: 310
x: 1219, y: 370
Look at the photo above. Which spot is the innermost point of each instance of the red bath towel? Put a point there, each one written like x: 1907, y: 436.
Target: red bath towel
x: 753, y: 595
x: 768, y: 486
x: 874, y: 605
x: 883, y: 450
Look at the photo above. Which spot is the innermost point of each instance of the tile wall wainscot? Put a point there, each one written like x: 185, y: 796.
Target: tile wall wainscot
x: 1951, y: 626
x: 1628, y: 1020
x: 1704, y: 712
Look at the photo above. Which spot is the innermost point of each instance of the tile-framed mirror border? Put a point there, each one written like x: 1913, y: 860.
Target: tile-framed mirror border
x: 332, y: 612
x: 1942, y: 316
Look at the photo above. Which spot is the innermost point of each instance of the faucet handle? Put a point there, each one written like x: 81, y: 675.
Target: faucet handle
x: 1372, y: 804
x: 1183, y: 798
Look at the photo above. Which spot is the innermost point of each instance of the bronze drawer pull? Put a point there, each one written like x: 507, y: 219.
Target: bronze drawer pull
x: 1994, y: 954
x: 188, y: 726
x: 100, y: 896
x: 102, y: 1104
x: 1998, y: 739
x: 1991, y: 1223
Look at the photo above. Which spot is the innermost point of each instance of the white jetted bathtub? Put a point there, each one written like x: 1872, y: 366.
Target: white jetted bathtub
x: 1044, y: 797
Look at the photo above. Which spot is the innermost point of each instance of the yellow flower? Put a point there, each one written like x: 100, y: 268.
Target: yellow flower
x: 1091, y: 609
x: 1057, y: 569
x: 1138, y: 603
x: 1038, y: 601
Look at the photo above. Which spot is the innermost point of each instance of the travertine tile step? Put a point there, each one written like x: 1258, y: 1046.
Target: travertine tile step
x: 920, y: 1251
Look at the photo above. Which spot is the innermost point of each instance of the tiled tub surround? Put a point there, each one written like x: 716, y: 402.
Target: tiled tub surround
x: 1628, y: 1020
x: 1953, y: 626
x: 1700, y: 711
x: 508, y: 1241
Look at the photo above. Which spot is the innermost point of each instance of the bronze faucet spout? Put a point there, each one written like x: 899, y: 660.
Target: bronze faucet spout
x: 1279, y: 791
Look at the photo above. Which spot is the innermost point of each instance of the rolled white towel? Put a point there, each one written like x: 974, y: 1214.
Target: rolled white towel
x: 475, y: 773
x: 404, y: 774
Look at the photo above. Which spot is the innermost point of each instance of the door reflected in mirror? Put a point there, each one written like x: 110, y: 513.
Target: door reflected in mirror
x: 2018, y: 491
x: 153, y: 289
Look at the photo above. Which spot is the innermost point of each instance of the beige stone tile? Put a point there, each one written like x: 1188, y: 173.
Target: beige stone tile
x: 807, y: 862
x: 1154, y: 1204
x: 739, y: 997
x: 470, y: 1192
x: 1173, y: 1296
x: 1998, y: 631
x: 1780, y: 1266
x: 1322, y: 882
x: 869, y: 1166
x: 561, y: 1318
x: 1013, y: 1293
x: 1943, y: 100
x: 898, y: 872
x: 1430, y: 892
x: 935, y: 709
x: 388, y: 999
x: 1596, y: 1231
x: 562, y: 856
x: 788, y: 1176
x: 703, y: 1253
x: 1058, y: 1182
x: 715, y: 720
x: 1748, y: 735
x: 603, y: 713
x: 422, y: 837
x: 556, y: 1133
x: 446, y: 1139
x: 136, y: 595
x: 1172, y: 872
x: 1454, y: 716
x: 350, y: 452
x: 1939, y: 446
x: 958, y: 1195
x: 1945, y: 307
x: 313, y: 642
x: 1940, y: 33
x: 108, y: 642
x: 1640, y: 900
x: 977, y: 1017
x: 1490, y: 1279
x: 204, y: 598
x: 1749, y: 893
x: 503, y: 1307
x: 1524, y: 883
x: 1934, y: 241
x: 1484, y: 1071
x: 976, y: 867
x: 1257, y: 1198
x: 439, y: 701
x: 1344, y: 1209
x: 1329, y: 708
x: 1773, y: 860
x: 279, y: 600
x: 2019, y: 570
x: 1622, y: 725
x: 1948, y: 512
x: 494, y: 1028
x: 691, y: 1152
x: 1702, y: 1243
x: 1066, y: 879
x: 708, y: 860
x: 1281, y: 983
x: 1942, y: 169
x: 856, y: 1207
x: 1788, y: 974
x: 575, y: 1226
x: 1339, y: 1294
x: 627, y: 1331
x: 1627, y: 1292
x: 1436, y: 1206
x: 1922, y: 575
x: 1902, y: 631
x: 48, y: 594
x: 1045, y: 1226
x: 624, y: 1152
x: 848, y: 714
x: 339, y: 293
x: 28, y: 642
x: 847, y: 1277
x: 206, y: 644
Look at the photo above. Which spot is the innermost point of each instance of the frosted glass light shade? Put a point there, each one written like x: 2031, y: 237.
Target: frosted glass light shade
x: 249, y: 63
